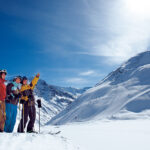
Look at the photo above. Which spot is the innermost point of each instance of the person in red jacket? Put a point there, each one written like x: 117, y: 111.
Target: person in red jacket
x: 3, y: 74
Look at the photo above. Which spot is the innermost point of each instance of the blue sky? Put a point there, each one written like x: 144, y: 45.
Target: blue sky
x: 71, y: 43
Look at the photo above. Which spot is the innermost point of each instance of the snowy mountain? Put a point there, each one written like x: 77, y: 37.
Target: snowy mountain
x: 123, y: 94
x: 54, y: 99
x: 76, y: 92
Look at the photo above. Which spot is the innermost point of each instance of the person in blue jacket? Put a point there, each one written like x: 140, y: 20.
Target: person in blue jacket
x: 11, y: 102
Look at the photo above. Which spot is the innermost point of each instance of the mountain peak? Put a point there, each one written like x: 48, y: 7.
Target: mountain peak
x: 124, y: 90
x: 138, y: 60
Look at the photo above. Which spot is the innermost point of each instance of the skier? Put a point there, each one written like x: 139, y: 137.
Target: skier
x: 3, y: 74
x: 28, y: 102
x: 11, y: 102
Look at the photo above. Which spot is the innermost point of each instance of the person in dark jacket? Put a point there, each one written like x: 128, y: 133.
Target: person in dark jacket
x: 11, y: 102
x: 28, y: 102
x: 3, y: 74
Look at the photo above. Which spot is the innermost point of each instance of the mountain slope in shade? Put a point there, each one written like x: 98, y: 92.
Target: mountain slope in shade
x: 124, y: 90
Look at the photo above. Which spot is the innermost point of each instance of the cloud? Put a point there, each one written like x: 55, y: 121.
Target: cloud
x: 76, y: 80
x: 91, y: 73
x: 88, y: 73
x: 76, y: 77
x: 84, y: 78
x: 116, y: 32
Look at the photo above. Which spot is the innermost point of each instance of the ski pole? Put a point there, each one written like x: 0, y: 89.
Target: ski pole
x: 23, y: 117
x: 39, y: 106
x: 39, y: 120
x: 20, y: 112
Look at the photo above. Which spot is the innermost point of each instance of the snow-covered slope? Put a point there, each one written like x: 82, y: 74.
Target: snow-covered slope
x: 54, y: 99
x: 124, y: 90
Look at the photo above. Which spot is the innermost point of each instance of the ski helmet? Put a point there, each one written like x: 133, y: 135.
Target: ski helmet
x: 3, y: 71
x: 17, y: 78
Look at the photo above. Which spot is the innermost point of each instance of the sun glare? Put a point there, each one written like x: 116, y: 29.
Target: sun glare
x: 138, y: 7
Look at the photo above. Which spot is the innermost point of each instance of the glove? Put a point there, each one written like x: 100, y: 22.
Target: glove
x: 22, y: 101
x: 30, y: 96
x: 38, y: 75
x: 39, y: 103
x: 10, y: 97
x: 19, y: 95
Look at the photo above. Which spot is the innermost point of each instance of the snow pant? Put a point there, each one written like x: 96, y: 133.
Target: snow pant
x: 2, y: 115
x: 27, y: 111
x: 11, y: 114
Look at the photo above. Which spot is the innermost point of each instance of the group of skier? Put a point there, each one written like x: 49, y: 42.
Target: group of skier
x: 12, y: 94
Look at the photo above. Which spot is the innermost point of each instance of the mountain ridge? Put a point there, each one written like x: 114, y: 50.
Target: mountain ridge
x: 127, y: 88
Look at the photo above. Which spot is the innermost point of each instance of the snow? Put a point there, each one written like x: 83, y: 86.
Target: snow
x: 126, y: 88
x: 109, y: 135
x: 93, y: 135
x: 34, y: 142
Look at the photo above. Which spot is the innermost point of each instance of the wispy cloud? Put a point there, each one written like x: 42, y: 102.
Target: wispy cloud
x: 91, y: 73
x: 114, y: 29
x: 76, y: 80
x: 116, y: 33
x: 88, y: 73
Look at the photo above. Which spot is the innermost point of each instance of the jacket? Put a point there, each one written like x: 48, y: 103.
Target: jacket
x: 12, y: 90
x: 27, y: 90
